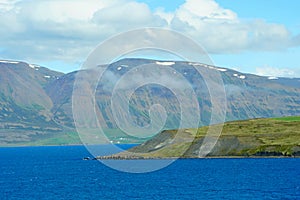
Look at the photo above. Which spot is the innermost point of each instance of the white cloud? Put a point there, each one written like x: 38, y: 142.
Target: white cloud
x: 6, y: 5
x: 167, y: 16
x: 220, y: 30
x: 69, y: 30
x: 60, y: 11
x: 277, y: 72
x: 194, y: 11
x: 126, y: 16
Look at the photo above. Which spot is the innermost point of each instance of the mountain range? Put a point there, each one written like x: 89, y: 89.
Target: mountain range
x: 36, y: 102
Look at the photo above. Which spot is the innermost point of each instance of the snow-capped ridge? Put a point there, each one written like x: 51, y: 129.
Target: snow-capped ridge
x: 208, y: 66
x: 34, y: 66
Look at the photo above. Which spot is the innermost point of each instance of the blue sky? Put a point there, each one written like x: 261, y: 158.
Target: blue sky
x: 275, y: 11
x: 255, y: 36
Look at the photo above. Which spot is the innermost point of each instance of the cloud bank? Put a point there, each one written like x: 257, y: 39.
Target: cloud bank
x: 277, y: 72
x: 68, y: 30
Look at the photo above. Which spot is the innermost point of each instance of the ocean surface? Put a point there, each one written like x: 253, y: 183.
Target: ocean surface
x: 60, y: 173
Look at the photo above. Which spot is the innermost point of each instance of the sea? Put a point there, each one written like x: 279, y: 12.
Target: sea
x: 59, y: 172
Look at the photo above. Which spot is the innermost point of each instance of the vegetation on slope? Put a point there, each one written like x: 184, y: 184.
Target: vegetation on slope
x: 255, y: 137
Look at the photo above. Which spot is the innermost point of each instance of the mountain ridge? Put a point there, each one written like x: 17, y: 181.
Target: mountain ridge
x: 36, y: 101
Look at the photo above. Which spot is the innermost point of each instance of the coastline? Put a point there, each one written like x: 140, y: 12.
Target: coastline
x: 183, y: 158
x: 51, y: 145
x: 114, y: 157
x: 217, y: 157
x: 58, y: 145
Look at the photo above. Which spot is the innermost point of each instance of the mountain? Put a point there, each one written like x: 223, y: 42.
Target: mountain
x: 248, y: 96
x: 25, y: 107
x: 36, y: 103
x: 255, y: 137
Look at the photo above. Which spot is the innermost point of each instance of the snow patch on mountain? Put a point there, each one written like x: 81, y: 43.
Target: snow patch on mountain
x: 9, y: 62
x: 165, y: 63
x: 33, y: 66
x: 272, y: 78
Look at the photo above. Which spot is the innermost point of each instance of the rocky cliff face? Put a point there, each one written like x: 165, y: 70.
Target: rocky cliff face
x: 34, y: 98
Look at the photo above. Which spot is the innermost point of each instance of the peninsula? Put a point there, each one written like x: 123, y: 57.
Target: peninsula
x: 276, y: 137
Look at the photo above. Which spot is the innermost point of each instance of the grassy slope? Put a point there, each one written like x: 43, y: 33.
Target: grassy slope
x: 66, y: 138
x: 256, y: 137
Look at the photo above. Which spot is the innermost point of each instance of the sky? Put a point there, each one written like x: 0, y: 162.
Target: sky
x: 252, y: 36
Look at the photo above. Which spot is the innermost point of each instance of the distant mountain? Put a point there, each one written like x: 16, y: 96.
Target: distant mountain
x: 25, y: 107
x: 36, y: 103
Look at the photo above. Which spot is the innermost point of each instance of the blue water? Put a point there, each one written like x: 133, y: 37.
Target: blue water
x: 60, y: 173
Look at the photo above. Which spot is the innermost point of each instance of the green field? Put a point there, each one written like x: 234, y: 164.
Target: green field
x: 295, y: 119
x: 69, y: 138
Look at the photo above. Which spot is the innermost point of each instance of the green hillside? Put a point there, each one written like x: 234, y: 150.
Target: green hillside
x: 255, y: 137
